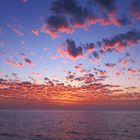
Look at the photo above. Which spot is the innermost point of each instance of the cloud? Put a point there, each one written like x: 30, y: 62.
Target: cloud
x: 24, y: 61
x: 70, y: 7
x: 117, y: 73
x: 36, y: 75
x: 132, y: 71
x: 106, y: 5
x: 77, y: 14
x: 53, y: 57
x: 94, y: 56
x: 22, y: 55
x: 48, y: 81
x: 55, y: 24
x: 102, y: 73
x: 28, y: 61
x: 71, y: 50
x: 2, y: 81
x: 121, y: 41
x: 95, y: 51
x: 124, y: 61
x: 67, y: 15
x: 89, y: 47
x: 14, y: 64
x: 85, y: 79
x: 110, y: 65
x: 74, y: 51
x: 70, y: 76
x: 135, y: 8
x: 36, y: 31
x: 79, y: 68
x: 54, y: 91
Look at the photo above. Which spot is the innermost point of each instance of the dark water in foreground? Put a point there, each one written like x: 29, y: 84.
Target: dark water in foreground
x: 69, y: 125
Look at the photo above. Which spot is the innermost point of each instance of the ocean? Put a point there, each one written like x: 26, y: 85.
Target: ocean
x: 69, y: 125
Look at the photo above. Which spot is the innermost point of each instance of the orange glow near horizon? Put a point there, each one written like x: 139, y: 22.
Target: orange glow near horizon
x: 67, y: 95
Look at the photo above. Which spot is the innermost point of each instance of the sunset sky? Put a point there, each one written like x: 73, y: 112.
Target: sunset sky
x: 77, y: 53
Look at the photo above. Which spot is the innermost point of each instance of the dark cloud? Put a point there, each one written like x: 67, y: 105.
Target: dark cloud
x: 86, y: 79
x: 108, y: 5
x: 63, y: 6
x: 121, y: 41
x: 109, y: 13
x: 71, y: 50
x: 74, y: 51
x: 72, y: 8
x: 94, y: 56
x: 46, y: 79
x: 28, y: 61
x: 123, y: 21
x: 2, y: 81
x: 110, y: 65
x: 89, y: 47
x: 106, y: 45
x: 67, y: 15
x: 56, y: 24
x: 135, y: 8
x: 26, y: 83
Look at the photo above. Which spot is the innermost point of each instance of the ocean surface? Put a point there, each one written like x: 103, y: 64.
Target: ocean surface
x: 69, y: 125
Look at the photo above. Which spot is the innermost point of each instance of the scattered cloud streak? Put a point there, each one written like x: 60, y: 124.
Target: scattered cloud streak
x: 15, y: 27
x: 14, y: 64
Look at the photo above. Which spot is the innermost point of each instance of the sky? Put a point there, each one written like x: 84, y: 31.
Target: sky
x: 70, y: 54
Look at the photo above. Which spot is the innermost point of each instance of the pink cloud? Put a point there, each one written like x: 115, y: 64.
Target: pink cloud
x: 53, y: 57
x: 102, y: 73
x: 124, y: 61
x: 117, y: 73
x: 36, y: 31
x: 14, y: 64
x: 132, y: 71
x: 79, y: 68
